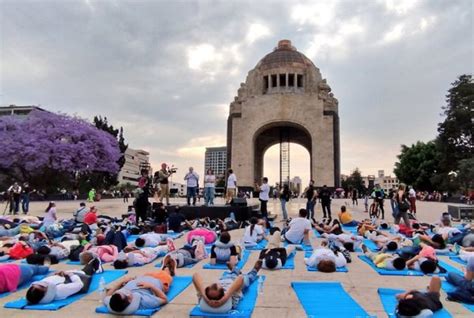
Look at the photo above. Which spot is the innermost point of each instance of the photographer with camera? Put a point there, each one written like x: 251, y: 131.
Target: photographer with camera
x: 161, y: 179
x: 15, y: 196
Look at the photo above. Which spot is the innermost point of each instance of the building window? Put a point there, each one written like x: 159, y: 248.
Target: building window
x: 299, y: 80
x: 282, y: 80
x: 291, y: 80
x: 265, y: 83
x: 274, y: 80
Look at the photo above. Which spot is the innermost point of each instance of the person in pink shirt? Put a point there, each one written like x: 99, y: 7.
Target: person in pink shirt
x: 106, y: 253
x: 14, y: 275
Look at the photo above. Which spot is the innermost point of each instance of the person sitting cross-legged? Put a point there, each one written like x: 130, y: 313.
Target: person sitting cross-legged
x: 225, y: 295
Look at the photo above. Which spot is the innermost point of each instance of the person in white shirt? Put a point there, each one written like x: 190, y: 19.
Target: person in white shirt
x: 192, y: 184
x: 62, y: 284
x: 254, y: 233
x: 263, y: 197
x: 298, y: 229
x: 326, y: 260
x: 231, y: 187
x: 412, y: 199
x: 150, y: 240
x: 15, y: 196
x: 209, y: 187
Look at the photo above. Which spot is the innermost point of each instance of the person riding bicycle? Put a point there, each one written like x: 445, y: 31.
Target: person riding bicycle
x: 378, y: 195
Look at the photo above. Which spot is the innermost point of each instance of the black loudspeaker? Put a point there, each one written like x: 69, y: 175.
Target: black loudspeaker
x: 239, y: 202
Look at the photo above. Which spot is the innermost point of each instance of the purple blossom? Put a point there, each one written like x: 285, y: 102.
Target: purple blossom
x: 55, y: 141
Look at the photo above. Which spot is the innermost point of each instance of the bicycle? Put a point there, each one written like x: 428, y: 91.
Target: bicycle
x: 374, y: 210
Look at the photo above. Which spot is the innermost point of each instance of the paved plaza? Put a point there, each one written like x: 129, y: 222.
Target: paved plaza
x: 278, y: 298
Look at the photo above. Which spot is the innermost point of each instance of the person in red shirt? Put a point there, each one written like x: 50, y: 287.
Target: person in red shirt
x: 91, y: 217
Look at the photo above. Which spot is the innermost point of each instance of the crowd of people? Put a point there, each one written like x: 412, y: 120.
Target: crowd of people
x: 137, y: 238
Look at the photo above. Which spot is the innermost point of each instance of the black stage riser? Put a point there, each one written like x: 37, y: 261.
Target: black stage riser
x: 221, y: 212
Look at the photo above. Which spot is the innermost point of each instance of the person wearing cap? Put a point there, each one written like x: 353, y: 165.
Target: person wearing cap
x: 464, y: 291
x: 62, y: 285
x: 420, y: 304
x: 142, y: 292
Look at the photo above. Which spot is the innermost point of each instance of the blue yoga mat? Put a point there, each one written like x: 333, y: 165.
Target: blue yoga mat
x: 407, y: 272
x: 389, y: 302
x: 327, y: 299
x: 445, y: 252
x: 371, y: 245
x: 73, y: 262
x: 260, y: 246
x: 243, y: 310
x: 109, y: 276
x: 179, y: 284
x: 314, y: 269
x: 25, y: 284
x: 316, y: 233
x: 240, y: 264
x: 447, y: 287
x: 302, y: 246
x: 457, y: 259
x: 290, y: 262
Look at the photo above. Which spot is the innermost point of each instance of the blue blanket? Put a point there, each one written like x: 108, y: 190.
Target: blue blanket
x: 327, y: 299
x: 389, y: 302
x: 314, y: 269
x: 179, y: 284
x: 302, y: 246
x: 243, y: 310
x: 447, y: 287
x: 240, y: 264
x: 109, y: 276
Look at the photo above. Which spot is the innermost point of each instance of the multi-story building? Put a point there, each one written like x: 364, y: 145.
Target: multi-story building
x: 135, y: 159
x: 216, y: 159
x: 386, y: 182
x: 18, y: 110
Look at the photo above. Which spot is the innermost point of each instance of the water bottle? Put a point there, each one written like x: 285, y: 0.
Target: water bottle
x: 260, y: 285
x: 101, y: 289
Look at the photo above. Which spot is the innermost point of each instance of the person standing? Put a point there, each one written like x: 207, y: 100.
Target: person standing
x: 91, y: 195
x: 25, y: 198
x: 284, y: 198
x: 141, y: 203
x: 192, y: 184
x: 412, y: 199
x: 325, y: 196
x: 263, y: 196
x: 231, y: 186
x: 403, y: 205
x: 15, y: 193
x: 162, y: 178
x: 354, y: 197
x: 379, y: 196
x: 125, y: 195
x: 311, y: 196
x: 209, y: 187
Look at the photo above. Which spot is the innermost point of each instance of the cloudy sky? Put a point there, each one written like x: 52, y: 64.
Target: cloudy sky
x: 167, y: 70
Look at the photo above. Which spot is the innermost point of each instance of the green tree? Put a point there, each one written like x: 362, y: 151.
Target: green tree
x: 417, y: 165
x: 104, y: 180
x: 354, y: 181
x: 455, y: 141
x: 465, y: 174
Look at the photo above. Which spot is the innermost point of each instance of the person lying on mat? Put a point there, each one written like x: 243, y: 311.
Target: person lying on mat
x: 225, y: 295
x: 151, y: 240
x: 275, y: 256
x: 385, y: 260
x: 14, y: 275
x: 426, y: 261
x: 464, y: 291
x: 384, y: 241
x: 329, y: 227
x: 346, y: 218
x: 138, y: 257
x: 325, y: 259
x: 106, y: 253
x: 465, y: 252
x: 62, y: 284
x: 224, y: 250
x: 254, y: 233
x: 420, y: 304
x: 348, y: 241
x: 146, y: 291
x: 298, y: 229
x: 188, y: 254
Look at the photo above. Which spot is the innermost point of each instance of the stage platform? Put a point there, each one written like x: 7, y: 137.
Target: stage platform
x: 241, y: 213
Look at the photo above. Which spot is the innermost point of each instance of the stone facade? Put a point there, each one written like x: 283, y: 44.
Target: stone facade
x: 284, y: 92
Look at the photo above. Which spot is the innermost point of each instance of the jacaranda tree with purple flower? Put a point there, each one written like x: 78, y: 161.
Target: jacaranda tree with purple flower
x: 53, y: 150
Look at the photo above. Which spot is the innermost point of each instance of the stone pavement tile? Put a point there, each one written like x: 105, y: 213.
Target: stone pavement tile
x: 266, y: 312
